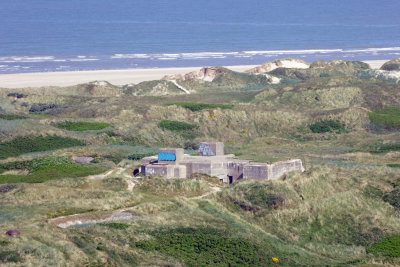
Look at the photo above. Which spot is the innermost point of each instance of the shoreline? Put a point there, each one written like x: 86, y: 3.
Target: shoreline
x: 116, y: 77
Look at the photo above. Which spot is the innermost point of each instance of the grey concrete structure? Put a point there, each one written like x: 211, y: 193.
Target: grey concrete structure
x: 173, y: 163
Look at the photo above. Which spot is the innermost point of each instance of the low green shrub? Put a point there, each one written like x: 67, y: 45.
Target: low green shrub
x: 389, y: 246
x: 11, y: 117
x: 41, y: 170
x: 396, y: 165
x: 140, y: 156
x: 27, y: 144
x: 393, y: 198
x: 176, y: 126
x: 115, y: 225
x: 384, y: 148
x: 387, y: 117
x: 9, y: 256
x: 327, y: 126
x: 205, y: 246
x: 81, y: 125
x: 199, y: 106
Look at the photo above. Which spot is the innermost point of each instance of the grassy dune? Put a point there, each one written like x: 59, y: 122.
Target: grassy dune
x: 342, y: 211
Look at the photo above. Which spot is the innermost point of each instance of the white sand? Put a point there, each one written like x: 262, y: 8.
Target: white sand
x: 117, y: 77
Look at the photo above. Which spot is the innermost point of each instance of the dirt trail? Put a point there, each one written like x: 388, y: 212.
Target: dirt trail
x: 180, y: 87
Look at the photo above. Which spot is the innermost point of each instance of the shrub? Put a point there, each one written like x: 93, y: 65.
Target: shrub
x: 396, y: 165
x: 199, y: 106
x: 327, y: 126
x: 140, y: 156
x: 26, y: 144
x: 387, y: 117
x: 11, y: 117
x: 389, y: 246
x: 41, y: 170
x: 393, y: 198
x: 205, y: 246
x: 82, y: 126
x: 40, y: 107
x: 384, y: 148
x: 176, y: 126
x: 114, y: 225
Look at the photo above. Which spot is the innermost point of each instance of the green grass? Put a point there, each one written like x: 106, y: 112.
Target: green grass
x: 41, y: 170
x: 176, y: 126
x: 82, y: 126
x: 9, y: 256
x: 205, y: 247
x: 387, y: 117
x: 389, y: 246
x: 199, y: 106
x: 327, y: 126
x: 11, y: 117
x: 140, y: 156
x: 27, y: 144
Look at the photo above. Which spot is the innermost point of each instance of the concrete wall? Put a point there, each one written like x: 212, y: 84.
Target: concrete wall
x: 211, y: 149
x: 256, y: 171
x: 278, y: 169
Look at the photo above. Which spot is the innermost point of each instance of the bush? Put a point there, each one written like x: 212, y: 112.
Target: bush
x: 397, y: 165
x: 176, y: 126
x: 11, y: 117
x: 41, y: 170
x: 82, y: 126
x: 199, y: 106
x: 384, y: 148
x: 40, y: 107
x: 389, y: 246
x: 26, y: 144
x: 204, y: 247
x: 327, y: 126
x: 393, y: 198
x: 114, y: 225
x: 388, y: 117
x: 140, y: 156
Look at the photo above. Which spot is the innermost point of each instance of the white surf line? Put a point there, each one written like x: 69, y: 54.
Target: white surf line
x: 180, y: 87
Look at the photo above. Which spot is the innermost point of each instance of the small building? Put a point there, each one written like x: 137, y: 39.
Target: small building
x: 174, y: 163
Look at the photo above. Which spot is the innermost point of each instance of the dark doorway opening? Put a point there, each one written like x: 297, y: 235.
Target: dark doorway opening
x: 230, y: 179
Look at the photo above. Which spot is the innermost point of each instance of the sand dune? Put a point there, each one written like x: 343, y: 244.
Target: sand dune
x: 117, y: 77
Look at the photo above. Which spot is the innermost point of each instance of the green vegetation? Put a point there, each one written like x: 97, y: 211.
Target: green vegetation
x: 200, y: 106
x: 114, y: 225
x: 389, y: 246
x: 11, y: 117
x: 393, y: 198
x: 387, y: 117
x: 26, y: 144
x: 9, y: 256
x: 205, y: 247
x: 394, y: 165
x: 41, y: 170
x: 327, y: 126
x: 378, y: 148
x: 82, y: 126
x: 140, y: 156
x: 176, y: 126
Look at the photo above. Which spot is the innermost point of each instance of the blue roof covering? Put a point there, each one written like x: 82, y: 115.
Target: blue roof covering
x: 166, y: 156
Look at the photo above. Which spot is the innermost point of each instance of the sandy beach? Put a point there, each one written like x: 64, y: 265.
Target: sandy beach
x: 117, y: 77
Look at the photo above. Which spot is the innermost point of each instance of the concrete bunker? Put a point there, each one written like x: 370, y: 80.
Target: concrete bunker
x: 174, y: 163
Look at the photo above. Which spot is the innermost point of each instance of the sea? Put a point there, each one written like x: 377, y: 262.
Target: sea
x: 70, y: 35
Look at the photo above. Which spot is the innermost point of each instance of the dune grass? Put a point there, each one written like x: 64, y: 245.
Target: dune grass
x: 27, y: 144
x: 199, y: 106
x: 82, y: 126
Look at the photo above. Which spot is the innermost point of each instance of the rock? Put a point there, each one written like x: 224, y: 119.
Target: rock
x: 391, y: 65
x: 13, y: 232
x: 284, y: 63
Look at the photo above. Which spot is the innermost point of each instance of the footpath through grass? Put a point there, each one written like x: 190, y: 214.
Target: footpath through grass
x: 82, y: 126
x: 41, y: 170
x: 27, y: 144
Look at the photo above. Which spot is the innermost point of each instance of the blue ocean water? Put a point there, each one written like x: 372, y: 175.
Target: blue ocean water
x: 51, y: 35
